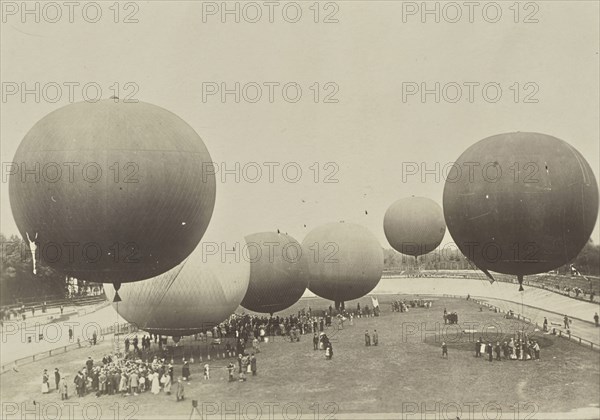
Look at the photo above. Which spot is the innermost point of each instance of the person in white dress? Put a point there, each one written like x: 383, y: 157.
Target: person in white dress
x: 166, y: 381
x: 155, y: 383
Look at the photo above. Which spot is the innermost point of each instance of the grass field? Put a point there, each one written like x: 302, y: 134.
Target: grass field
x: 405, y: 373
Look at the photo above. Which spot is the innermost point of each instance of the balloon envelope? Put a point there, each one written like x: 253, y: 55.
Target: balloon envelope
x: 344, y: 261
x: 521, y: 203
x: 277, y: 279
x: 196, y: 295
x: 113, y: 192
x: 414, y: 225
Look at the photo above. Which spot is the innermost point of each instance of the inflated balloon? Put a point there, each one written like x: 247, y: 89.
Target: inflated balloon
x: 520, y: 203
x: 112, y: 192
x: 277, y: 279
x: 344, y: 261
x: 193, y: 297
x: 414, y: 225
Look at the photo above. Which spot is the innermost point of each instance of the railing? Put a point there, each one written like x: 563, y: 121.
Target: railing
x: 579, y: 340
x: 476, y: 275
x: 54, y: 303
x: 118, y: 328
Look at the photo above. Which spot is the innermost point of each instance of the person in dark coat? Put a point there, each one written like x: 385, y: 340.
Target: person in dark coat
x: 478, y: 348
x: 367, y: 338
x: 315, y: 342
x: 497, y: 349
x: 56, y: 377
x: 185, y: 371
x: 490, y: 351
x: 230, y: 368
x: 253, y: 364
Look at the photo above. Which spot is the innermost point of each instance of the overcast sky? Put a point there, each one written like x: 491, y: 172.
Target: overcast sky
x: 370, y: 134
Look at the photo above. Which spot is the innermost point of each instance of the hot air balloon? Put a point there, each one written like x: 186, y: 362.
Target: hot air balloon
x: 344, y: 261
x: 520, y: 203
x: 277, y: 280
x: 193, y: 297
x: 414, y: 225
x: 112, y: 192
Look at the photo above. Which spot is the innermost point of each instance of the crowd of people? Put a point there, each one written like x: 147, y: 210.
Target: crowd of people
x: 404, y: 305
x: 120, y: 376
x: 520, y: 347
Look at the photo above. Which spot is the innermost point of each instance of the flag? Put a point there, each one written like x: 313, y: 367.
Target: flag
x: 375, y: 302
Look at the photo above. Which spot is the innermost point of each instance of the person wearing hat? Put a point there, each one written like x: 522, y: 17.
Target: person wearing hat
x: 185, y: 371
x: 490, y: 351
x: 89, y: 363
x: 56, y: 377
x: 45, y: 384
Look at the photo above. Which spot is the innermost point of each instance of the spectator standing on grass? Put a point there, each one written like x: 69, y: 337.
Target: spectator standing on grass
x: 536, y: 350
x: 180, y: 390
x: 497, y: 349
x: 134, y: 382
x: 489, y: 351
x: 166, y: 382
x: 45, y: 382
x: 367, y: 338
x: 64, y: 388
x: 253, y: 364
x: 375, y: 338
x: 56, y: 377
x: 444, y: 350
x: 230, y: 368
x: 328, y: 351
x: 566, y: 321
x: 596, y: 319
x: 156, y: 384
x: 185, y: 371
x: 478, y: 348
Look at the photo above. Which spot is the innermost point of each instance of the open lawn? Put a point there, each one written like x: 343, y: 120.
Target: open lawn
x: 404, y: 373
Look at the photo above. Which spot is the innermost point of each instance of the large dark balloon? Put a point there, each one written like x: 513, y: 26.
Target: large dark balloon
x: 521, y: 203
x: 122, y: 192
x: 193, y: 297
x: 414, y: 225
x: 277, y: 280
x: 345, y: 261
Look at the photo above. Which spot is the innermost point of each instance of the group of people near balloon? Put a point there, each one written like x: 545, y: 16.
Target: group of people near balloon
x: 121, y: 376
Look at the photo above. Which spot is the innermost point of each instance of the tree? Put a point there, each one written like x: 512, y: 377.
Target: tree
x: 17, y: 280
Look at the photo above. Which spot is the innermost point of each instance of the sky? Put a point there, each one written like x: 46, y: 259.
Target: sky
x: 367, y: 129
